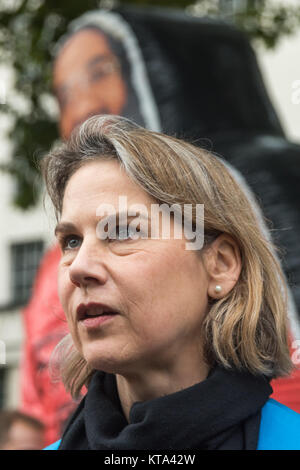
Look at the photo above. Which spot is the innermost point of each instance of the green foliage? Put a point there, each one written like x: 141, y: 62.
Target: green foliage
x: 267, y: 22
x: 29, y: 30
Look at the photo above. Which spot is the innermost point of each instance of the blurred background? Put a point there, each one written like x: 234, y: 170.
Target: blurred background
x: 29, y: 117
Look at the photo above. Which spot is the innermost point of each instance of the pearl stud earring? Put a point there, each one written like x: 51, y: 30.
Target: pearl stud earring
x: 218, y: 289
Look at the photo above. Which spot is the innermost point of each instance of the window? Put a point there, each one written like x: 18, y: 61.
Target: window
x: 25, y: 261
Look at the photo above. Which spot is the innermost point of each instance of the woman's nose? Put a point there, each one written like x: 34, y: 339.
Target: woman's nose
x: 88, y: 267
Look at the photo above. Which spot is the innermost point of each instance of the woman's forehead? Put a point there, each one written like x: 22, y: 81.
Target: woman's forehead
x: 102, y: 182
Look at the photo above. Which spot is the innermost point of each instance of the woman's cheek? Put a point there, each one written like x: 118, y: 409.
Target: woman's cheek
x: 64, y: 287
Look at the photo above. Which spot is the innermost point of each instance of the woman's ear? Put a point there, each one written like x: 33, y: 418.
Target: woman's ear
x: 223, y: 265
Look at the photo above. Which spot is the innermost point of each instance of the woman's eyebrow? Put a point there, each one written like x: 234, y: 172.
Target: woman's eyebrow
x: 64, y: 227
x: 67, y: 227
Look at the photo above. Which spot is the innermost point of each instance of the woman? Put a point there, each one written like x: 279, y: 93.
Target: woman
x: 176, y: 342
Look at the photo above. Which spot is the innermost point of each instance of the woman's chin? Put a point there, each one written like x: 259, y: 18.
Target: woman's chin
x: 109, y: 363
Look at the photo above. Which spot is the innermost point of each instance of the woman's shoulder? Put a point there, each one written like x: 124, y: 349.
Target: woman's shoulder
x: 279, y: 427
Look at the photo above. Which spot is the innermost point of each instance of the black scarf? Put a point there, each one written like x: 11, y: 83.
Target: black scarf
x: 222, y: 412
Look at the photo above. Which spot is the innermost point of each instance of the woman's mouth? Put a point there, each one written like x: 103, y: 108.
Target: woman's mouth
x: 93, y: 314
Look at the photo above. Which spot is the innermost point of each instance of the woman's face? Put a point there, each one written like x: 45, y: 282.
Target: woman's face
x: 154, y: 291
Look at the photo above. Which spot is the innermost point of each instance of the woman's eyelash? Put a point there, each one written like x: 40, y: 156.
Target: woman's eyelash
x: 122, y: 233
x: 65, y: 239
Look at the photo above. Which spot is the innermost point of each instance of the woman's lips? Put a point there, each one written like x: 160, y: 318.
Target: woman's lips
x: 93, y: 314
x: 95, y: 322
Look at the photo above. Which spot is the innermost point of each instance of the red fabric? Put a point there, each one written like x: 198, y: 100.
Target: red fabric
x: 286, y: 390
x: 44, y: 325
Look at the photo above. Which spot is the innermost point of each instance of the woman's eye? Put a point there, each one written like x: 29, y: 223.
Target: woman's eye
x: 126, y: 232
x: 71, y: 242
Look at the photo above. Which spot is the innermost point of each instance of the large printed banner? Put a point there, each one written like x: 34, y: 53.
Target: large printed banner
x: 190, y: 77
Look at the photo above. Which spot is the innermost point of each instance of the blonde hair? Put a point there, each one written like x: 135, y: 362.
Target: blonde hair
x: 247, y: 328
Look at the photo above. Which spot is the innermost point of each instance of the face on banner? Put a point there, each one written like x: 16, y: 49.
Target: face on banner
x: 88, y: 79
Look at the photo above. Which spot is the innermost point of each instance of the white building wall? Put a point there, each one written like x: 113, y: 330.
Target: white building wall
x: 11, y: 331
x: 16, y: 226
x: 281, y: 72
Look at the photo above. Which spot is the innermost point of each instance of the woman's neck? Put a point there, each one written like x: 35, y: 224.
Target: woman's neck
x: 156, y: 383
